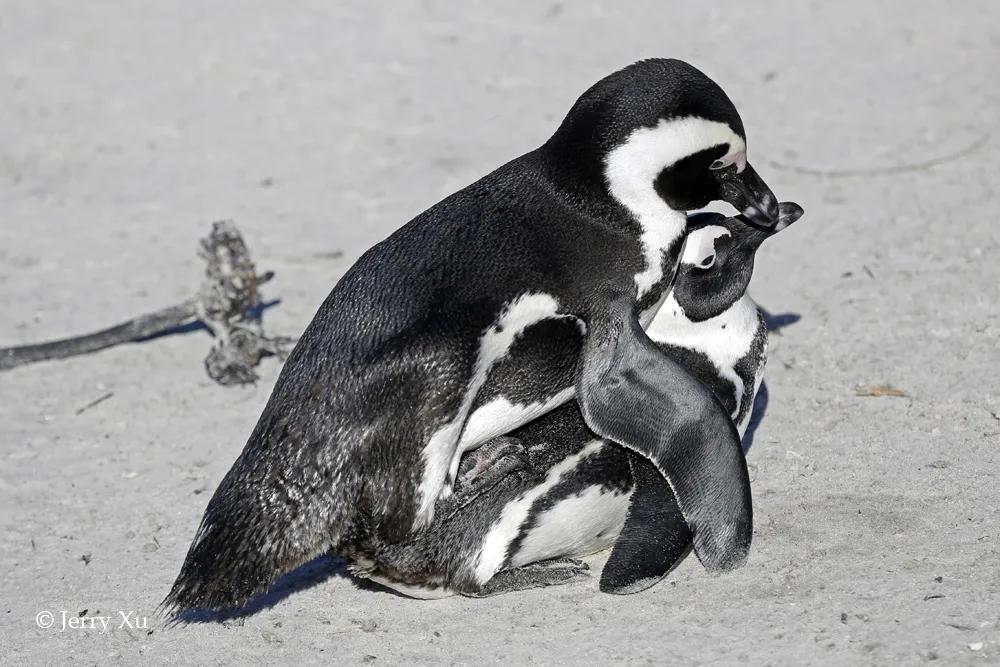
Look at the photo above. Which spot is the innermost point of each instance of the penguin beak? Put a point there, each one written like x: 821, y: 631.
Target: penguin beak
x: 788, y: 213
x: 749, y: 195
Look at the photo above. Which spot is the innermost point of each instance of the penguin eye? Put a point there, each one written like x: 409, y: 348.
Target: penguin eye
x: 739, y: 158
x: 707, y: 262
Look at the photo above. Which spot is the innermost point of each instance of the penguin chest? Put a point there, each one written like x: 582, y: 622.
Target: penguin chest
x: 577, y: 523
x: 578, y: 508
x: 715, y: 350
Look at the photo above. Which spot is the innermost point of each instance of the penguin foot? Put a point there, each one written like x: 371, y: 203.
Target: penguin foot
x: 554, y: 572
x: 483, y: 468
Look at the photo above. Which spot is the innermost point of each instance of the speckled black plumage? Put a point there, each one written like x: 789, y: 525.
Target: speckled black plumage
x: 335, y: 458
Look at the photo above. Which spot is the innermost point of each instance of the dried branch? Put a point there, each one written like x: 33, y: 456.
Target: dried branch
x: 227, y: 302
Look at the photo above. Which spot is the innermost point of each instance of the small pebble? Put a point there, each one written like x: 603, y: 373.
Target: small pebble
x: 270, y: 637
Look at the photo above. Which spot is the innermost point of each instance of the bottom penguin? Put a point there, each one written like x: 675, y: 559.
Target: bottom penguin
x: 524, y: 505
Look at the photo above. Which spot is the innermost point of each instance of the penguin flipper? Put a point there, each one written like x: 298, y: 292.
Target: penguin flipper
x: 655, y: 537
x: 632, y: 393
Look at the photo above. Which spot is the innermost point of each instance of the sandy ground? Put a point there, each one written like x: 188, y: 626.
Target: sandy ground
x: 126, y: 127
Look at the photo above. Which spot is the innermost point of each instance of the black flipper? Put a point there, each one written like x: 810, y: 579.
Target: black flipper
x: 655, y: 537
x: 632, y: 393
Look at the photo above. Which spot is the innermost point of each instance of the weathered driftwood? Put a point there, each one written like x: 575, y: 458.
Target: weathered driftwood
x: 227, y: 303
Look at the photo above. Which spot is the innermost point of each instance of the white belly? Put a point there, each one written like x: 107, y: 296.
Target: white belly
x: 578, y: 525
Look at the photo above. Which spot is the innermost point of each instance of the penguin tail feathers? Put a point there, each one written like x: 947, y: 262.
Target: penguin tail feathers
x: 208, y: 581
x: 256, y: 529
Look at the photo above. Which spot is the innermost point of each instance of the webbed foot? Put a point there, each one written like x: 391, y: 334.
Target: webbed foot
x: 554, y: 572
x: 483, y: 468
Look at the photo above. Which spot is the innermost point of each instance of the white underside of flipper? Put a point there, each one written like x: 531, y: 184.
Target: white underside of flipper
x: 440, y: 450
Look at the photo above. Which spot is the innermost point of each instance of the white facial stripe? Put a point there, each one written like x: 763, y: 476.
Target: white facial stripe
x: 699, y: 250
x: 631, y: 168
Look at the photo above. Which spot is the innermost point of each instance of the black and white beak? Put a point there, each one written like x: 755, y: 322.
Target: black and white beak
x: 741, y: 186
x: 788, y: 213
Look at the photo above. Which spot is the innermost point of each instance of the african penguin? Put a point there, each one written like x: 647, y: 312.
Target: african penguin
x: 501, y: 302
x: 528, y: 502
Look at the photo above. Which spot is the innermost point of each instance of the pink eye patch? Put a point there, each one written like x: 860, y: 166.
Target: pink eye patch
x: 739, y: 158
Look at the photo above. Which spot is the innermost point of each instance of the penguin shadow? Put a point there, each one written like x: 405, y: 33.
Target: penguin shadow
x: 254, y: 314
x: 775, y: 323
x: 315, y: 572
x: 756, y: 416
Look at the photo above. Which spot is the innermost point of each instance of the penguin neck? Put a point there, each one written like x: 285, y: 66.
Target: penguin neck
x: 624, y: 200
x: 577, y: 176
x: 661, y: 233
x: 729, y: 334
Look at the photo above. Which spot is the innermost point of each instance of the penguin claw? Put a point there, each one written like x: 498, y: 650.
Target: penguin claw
x: 491, y: 463
x: 553, y: 572
x: 482, y: 470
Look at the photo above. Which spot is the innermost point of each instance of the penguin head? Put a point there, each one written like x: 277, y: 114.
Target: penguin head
x: 717, y: 260
x: 660, y: 129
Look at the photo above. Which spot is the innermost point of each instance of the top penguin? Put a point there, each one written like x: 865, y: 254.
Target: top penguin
x: 496, y: 305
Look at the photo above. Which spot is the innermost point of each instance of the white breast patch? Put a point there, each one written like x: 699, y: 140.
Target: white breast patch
x: 724, y: 339
x: 577, y: 525
x: 506, y: 528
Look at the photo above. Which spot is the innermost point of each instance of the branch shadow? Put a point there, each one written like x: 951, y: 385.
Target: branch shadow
x: 257, y: 312
x: 254, y: 314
